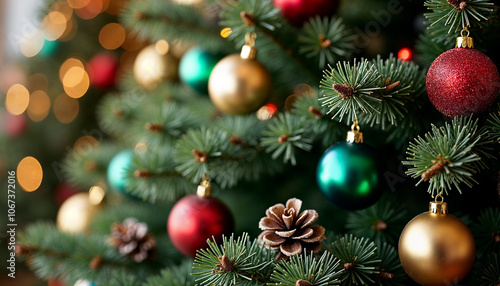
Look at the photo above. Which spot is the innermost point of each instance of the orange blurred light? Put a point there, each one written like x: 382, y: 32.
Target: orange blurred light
x: 66, y: 108
x: 405, y: 54
x: 271, y: 108
x: 91, y: 10
x: 39, y: 106
x: 17, y: 99
x: 112, y: 36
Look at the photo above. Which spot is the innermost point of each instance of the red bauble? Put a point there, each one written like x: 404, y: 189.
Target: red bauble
x: 298, y: 11
x: 462, y: 81
x: 194, y: 219
x: 102, y: 70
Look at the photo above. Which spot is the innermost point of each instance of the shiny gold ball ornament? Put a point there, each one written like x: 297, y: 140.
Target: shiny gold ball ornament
x: 75, y: 213
x: 436, y: 248
x: 239, y: 84
x: 155, y: 64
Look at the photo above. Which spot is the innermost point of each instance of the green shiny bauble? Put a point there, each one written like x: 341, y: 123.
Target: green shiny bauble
x: 116, y: 172
x: 195, y: 68
x: 349, y: 175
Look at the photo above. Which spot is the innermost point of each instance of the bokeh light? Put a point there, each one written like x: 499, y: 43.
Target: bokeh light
x: 112, y: 36
x: 38, y: 81
x: 66, y: 108
x: 96, y: 195
x: 76, y: 82
x: 69, y: 63
x: 266, y: 111
x: 17, y: 99
x: 70, y: 32
x: 78, y: 4
x: 141, y: 148
x: 32, y: 45
x: 29, y: 174
x: 39, y: 106
x: 64, y: 8
x: 162, y: 47
x: 225, y: 32
x: 85, y: 143
x: 405, y: 54
x: 54, y: 25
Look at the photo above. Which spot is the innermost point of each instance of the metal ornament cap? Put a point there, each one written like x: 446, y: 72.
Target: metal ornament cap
x: 436, y: 248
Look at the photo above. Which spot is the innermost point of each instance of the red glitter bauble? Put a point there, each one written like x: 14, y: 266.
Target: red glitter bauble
x: 298, y: 11
x: 102, y: 70
x: 462, y: 82
x: 194, y: 219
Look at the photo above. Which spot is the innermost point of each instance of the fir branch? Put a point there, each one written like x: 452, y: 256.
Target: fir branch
x: 458, y: 14
x: 52, y: 254
x: 357, y: 257
x: 286, y: 134
x: 382, y: 222
x: 493, y: 125
x: 115, y: 115
x: 391, y: 271
x: 349, y: 89
x: 178, y: 275
x: 87, y: 167
x: 448, y: 156
x: 490, y: 271
x: 156, y: 20
x: 206, y: 152
x: 231, y: 262
x: 152, y: 176
x: 326, y: 40
x: 429, y: 48
x: 320, y: 126
x: 305, y: 269
x: 487, y: 231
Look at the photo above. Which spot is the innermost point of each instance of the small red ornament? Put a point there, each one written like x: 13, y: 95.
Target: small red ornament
x: 196, y: 218
x: 102, y: 70
x: 462, y: 81
x: 299, y: 11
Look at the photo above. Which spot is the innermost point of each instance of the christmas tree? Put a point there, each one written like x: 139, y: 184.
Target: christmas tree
x: 214, y: 148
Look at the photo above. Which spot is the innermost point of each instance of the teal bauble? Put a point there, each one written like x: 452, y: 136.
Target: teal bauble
x: 195, y: 68
x: 116, y: 171
x: 349, y: 175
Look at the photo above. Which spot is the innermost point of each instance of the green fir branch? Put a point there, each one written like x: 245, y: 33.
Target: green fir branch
x: 357, y: 257
x: 305, y: 267
x: 458, y: 14
x: 205, y: 152
x: 449, y: 156
x: 152, y: 177
x: 178, y: 275
x: 493, y: 125
x: 391, y: 271
x: 490, y: 271
x: 428, y: 48
x: 87, y: 167
x: 231, y: 262
x: 382, y: 222
x: 347, y: 90
x: 327, y: 40
x: 157, y: 20
x: 487, y: 231
x: 321, y: 127
x: 115, y: 116
x: 285, y: 135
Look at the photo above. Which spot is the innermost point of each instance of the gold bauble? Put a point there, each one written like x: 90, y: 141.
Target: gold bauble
x: 155, y: 64
x: 239, y: 85
x: 436, y: 248
x: 75, y: 213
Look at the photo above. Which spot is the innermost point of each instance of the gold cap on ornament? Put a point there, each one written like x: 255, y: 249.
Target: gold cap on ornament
x: 436, y: 207
x: 464, y: 41
x: 355, y: 136
x: 249, y: 52
x: 204, y: 189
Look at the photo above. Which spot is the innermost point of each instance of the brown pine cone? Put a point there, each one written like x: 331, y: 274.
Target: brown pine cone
x: 132, y: 238
x: 289, y: 230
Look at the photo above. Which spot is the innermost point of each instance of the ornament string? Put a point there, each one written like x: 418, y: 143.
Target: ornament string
x: 440, y: 195
x: 250, y: 39
x: 355, y: 135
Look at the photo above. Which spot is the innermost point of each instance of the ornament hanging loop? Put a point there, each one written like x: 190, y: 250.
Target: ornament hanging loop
x: 204, y: 189
x: 249, y: 52
x: 355, y: 135
x: 440, y: 207
x: 464, y: 41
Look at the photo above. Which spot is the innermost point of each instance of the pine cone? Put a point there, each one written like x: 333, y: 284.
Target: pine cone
x: 131, y: 238
x: 287, y: 230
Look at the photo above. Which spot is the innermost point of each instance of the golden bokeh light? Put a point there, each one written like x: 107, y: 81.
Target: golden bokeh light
x: 68, y: 64
x: 78, y: 4
x: 17, y: 99
x: 76, y: 213
x: 263, y: 113
x: 66, y: 108
x: 96, y: 195
x: 162, y: 47
x: 290, y: 101
x: 39, y: 106
x: 141, y: 148
x: 64, y: 8
x: 38, y: 81
x: 73, y: 77
x: 70, y: 32
x: 29, y: 174
x: 303, y: 89
x: 91, y: 10
x: 85, y: 143
x: 112, y: 36
x: 54, y: 25
x: 226, y: 32
x: 31, y: 46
